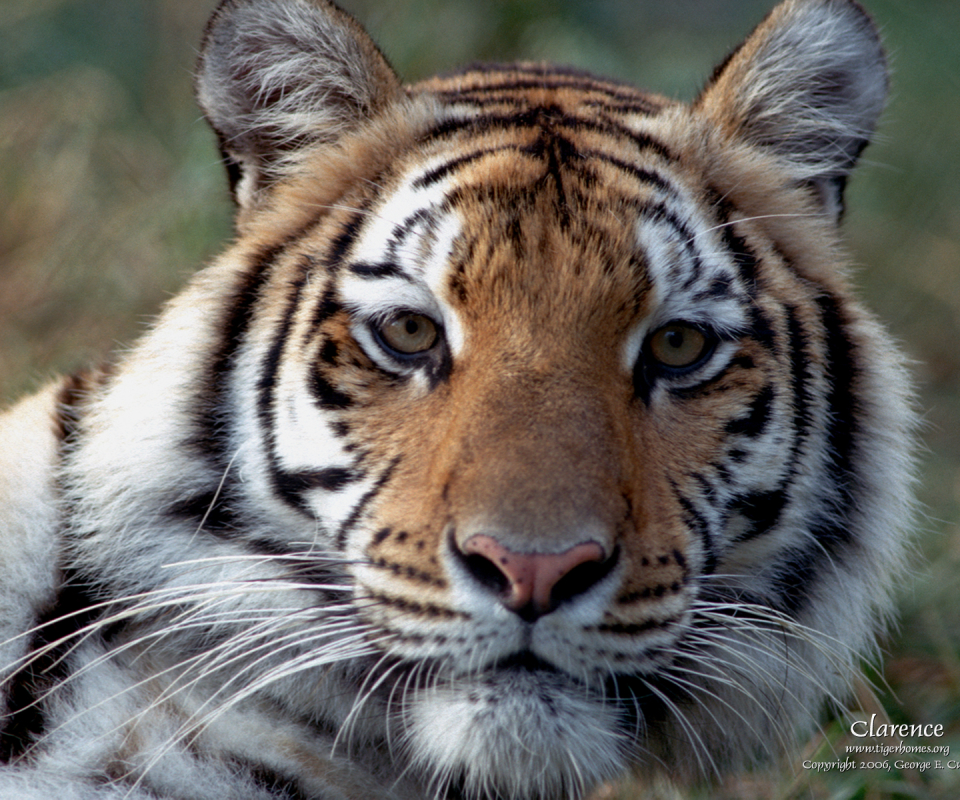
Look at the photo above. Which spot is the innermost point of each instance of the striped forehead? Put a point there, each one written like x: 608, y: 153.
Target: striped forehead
x: 690, y: 269
x: 401, y: 256
x: 409, y: 224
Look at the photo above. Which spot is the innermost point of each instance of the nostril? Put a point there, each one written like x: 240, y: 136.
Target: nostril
x: 534, y: 584
x: 487, y: 572
x: 583, y: 576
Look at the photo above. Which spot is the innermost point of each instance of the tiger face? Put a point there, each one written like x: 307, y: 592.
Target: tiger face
x: 528, y: 434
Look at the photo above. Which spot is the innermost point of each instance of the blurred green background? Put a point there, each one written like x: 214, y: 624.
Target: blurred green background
x: 111, y: 194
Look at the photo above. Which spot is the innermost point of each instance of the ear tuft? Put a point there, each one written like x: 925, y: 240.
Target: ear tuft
x: 808, y: 85
x: 276, y: 74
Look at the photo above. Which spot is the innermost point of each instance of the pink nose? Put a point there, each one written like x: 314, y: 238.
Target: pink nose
x: 530, y: 578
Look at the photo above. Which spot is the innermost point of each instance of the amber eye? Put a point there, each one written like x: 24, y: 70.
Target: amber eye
x: 678, y: 345
x: 409, y: 333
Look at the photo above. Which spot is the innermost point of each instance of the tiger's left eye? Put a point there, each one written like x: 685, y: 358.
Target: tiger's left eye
x: 409, y: 334
x: 678, y: 345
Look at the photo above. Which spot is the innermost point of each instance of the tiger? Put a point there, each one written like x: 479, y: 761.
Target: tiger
x: 529, y: 434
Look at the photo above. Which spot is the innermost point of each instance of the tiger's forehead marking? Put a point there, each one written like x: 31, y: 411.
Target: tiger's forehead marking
x: 474, y: 168
x: 400, y: 259
x: 692, y: 273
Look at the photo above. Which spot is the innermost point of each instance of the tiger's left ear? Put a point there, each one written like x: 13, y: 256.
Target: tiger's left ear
x: 274, y: 75
x: 808, y: 85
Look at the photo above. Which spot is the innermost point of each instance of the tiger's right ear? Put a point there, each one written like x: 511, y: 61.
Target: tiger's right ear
x: 807, y: 86
x: 274, y: 75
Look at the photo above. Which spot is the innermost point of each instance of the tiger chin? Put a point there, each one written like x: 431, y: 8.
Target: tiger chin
x: 529, y: 434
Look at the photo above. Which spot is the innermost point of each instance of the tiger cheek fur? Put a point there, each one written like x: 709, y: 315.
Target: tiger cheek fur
x: 529, y: 434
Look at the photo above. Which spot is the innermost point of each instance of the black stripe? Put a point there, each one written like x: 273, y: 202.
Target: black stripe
x: 487, y: 68
x: 500, y: 95
x: 381, y: 535
x: 796, y: 577
x: 559, y: 151
x: 484, y: 97
x: 745, y: 259
x: 760, y: 328
x: 344, y: 240
x: 698, y: 525
x: 291, y: 486
x: 707, y: 490
x: 843, y: 413
x: 720, y: 288
x: 643, y: 380
x: 636, y: 106
x: 632, y: 629
x: 426, y: 609
x: 658, y: 212
x: 327, y: 306
x: 800, y: 376
x: 764, y: 509
x: 704, y: 388
x: 548, y: 79
x: 545, y: 76
x: 427, y: 217
x: 382, y: 270
x: 214, y: 414
x: 329, y: 479
x: 360, y: 507
x: 438, y: 173
x: 407, y: 571
x: 329, y: 352
x: 210, y: 507
x: 280, y: 786
x: 269, y: 367
x: 274, y: 547
x: 640, y: 174
x: 323, y: 573
x: 24, y: 722
x: 465, y: 197
x: 326, y: 395
x: 755, y: 422
x: 74, y: 392
x: 555, y: 119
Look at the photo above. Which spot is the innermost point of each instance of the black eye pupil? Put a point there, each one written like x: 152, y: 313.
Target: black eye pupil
x: 411, y: 326
x: 675, y: 339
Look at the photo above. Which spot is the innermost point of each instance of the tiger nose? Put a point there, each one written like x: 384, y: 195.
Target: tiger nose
x: 534, y: 584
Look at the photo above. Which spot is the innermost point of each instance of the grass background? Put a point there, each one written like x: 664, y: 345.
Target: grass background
x: 111, y: 194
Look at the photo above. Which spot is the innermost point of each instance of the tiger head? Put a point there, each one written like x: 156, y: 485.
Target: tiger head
x: 552, y: 394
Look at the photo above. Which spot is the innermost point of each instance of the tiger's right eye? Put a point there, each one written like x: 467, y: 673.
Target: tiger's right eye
x: 678, y: 345
x: 409, y: 334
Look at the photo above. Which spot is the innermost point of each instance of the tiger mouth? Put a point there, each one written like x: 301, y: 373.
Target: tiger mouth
x: 523, y: 666
x: 529, y: 662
